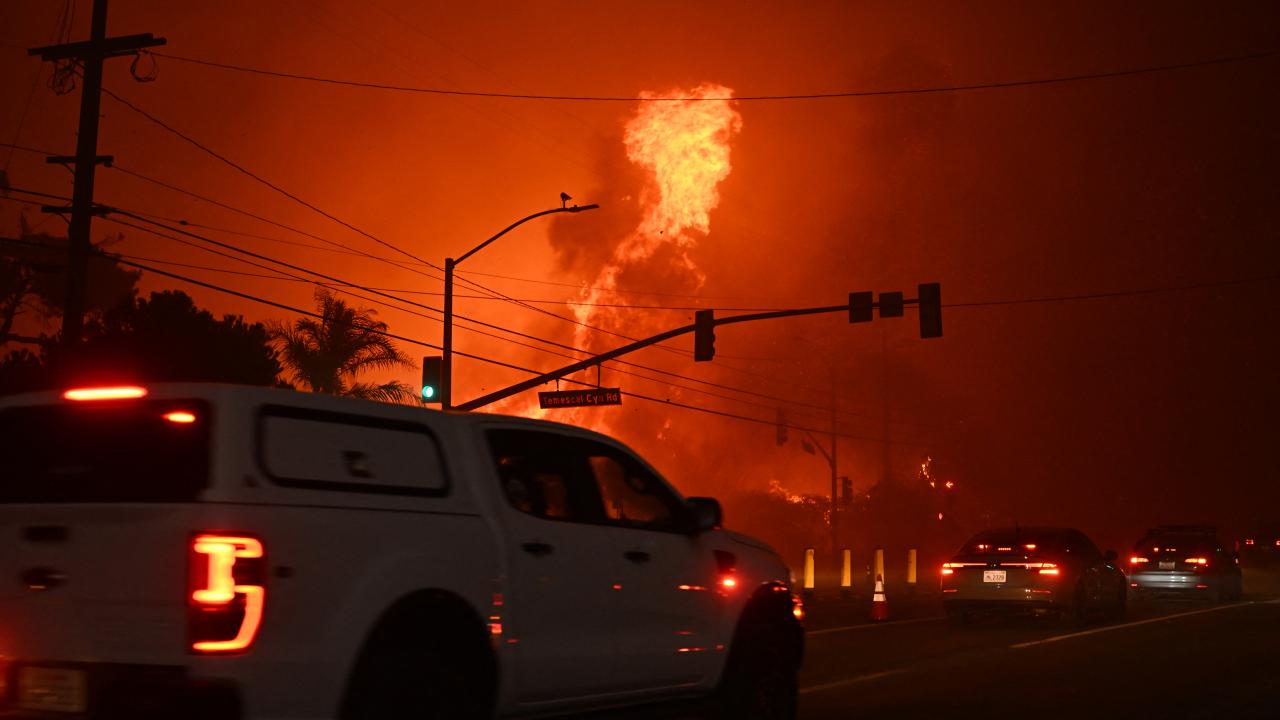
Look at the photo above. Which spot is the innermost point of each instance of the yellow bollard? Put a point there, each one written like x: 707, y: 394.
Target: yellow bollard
x: 879, y: 567
x: 846, y: 572
x: 808, y: 571
x: 911, y: 568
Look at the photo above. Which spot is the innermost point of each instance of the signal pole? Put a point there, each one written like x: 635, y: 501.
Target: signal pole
x: 90, y: 56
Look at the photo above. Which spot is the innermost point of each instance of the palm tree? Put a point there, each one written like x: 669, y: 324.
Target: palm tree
x: 326, y: 354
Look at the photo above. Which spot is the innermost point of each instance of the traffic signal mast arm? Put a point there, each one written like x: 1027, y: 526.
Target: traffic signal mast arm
x: 639, y: 344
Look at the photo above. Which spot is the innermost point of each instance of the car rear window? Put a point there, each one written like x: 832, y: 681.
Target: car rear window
x: 134, y: 451
x: 1177, y: 541
x: 1016, y: 542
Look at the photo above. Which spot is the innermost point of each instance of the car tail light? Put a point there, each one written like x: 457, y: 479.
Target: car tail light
x: 1249, y: 541
x: 1197, y: 561
x: 797, y: 607
x: 1045, y: 568
x: 227, y: 592
x: 124, y: 392
x: 1138, y: 560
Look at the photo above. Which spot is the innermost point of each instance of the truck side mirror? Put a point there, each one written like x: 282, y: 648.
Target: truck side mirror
x: 1109, y: 556
x: 704, y: 514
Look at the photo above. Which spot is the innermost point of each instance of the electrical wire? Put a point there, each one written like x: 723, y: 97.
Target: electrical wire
x: 741, y: 98
x: 249, y: 173
x: 414, y: 341
x: 343, y: 286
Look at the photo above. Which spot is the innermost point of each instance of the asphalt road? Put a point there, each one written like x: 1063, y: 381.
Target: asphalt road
x: 1163, y: 661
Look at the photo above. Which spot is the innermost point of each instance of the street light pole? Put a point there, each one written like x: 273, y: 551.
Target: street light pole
x: 446, y: 365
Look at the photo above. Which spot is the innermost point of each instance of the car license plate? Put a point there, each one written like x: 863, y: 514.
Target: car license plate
x: 995, y: 576
x: 1166, y: 565
x: 52, y: 690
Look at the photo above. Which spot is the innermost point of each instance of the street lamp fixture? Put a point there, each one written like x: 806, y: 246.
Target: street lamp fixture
x: 446, y: 374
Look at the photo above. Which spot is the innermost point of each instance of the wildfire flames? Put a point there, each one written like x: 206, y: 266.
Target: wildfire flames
x: 684, y: 146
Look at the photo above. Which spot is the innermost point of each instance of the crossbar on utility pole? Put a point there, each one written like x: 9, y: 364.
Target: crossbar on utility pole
x: 90, y: 54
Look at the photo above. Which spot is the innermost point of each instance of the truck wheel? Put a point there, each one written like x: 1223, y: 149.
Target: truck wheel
x: 423, y: 663
x: 408, y: 683
x: 761, y: 680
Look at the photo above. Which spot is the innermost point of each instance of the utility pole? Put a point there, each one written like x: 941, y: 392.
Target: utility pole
x: 835, y: 481
x: 90, y: 56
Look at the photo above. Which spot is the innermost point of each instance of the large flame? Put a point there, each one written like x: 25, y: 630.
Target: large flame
x: 684, y: 145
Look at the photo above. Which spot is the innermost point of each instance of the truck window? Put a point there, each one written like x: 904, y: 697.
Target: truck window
x: 539, y: 476
x: 134, y: 451
x: 298, y: 447
x: 632, y: 495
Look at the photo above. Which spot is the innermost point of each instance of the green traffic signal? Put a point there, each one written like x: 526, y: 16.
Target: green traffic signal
x: 431, y: 374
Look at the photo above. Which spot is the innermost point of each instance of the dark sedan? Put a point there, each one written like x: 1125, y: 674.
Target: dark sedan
x: 1038, y: 570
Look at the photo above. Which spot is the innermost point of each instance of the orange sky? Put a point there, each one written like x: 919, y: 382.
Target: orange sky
x: 1090, y: 187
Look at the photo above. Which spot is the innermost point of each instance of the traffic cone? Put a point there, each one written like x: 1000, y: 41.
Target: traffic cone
x: 879, y: 605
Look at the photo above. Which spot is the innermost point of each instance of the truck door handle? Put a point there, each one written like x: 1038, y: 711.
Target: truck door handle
x: 636, y: 556
x: 537, y: 549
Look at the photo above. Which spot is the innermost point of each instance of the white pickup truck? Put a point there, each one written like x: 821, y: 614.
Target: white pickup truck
x: 195, y: 550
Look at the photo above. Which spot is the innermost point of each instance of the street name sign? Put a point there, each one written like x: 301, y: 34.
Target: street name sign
x: 580, y: 398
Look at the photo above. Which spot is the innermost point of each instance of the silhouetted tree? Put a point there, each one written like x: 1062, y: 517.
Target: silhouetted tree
x: 33, y: 279
x: 327, y: 354
x: 162, y: 339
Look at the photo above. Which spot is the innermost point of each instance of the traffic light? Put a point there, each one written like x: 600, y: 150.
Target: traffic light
x: 846, y: 491
x: 782, y: 427
x: 890, y: 304
x: 930, y: 298
x: 704, y: 335
x: 431, y: 371
x: 860, y: 306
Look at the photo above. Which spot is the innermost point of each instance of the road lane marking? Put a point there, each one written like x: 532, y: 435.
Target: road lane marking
x: 1136, y: 623
x: 849, y: 681
x: 863, y: 626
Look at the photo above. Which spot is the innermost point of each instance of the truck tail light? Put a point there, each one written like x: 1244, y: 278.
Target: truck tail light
x: 1138, y: 560
x: 123, y: 392
x: 1197, y: 561
x: 226, y: 594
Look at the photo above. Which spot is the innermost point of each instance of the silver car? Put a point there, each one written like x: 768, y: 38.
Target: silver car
x: 1184, y: 561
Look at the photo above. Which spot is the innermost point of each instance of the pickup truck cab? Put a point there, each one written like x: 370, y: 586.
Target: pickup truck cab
x: 199, y: 550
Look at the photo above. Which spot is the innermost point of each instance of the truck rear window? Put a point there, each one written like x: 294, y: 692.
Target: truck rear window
x: 133, y: 451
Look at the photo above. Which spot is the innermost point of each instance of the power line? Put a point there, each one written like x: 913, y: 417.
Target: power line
x: 413, y: 341
x: 240, y: 168
x: 339, y: 285
x: 346, y: 224
x: 341, y: 248
x: 743, y: 98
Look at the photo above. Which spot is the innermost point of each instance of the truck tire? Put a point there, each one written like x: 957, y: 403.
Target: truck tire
x: 415, y: 669
x: 414, y: 684
x: 761, y: 676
